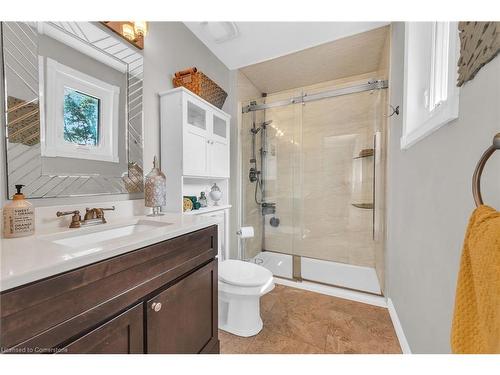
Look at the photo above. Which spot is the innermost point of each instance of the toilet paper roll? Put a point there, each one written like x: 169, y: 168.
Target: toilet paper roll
x: 246, y: 232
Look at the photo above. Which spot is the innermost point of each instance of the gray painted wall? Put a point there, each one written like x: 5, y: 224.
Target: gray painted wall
x: 430, y: 201
x: 169, y: 47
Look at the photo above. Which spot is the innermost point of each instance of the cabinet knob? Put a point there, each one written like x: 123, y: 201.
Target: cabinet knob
x: 156, y: 306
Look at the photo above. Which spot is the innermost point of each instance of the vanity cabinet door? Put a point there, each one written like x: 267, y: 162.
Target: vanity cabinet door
x: 195, y: 154
x: 183, y: 318
x: 219, y: 159
x: 121, y: 335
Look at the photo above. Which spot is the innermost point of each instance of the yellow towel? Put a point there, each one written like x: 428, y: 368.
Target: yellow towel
x: 476, y: 320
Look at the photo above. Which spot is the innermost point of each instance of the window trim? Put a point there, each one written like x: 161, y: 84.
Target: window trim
x: 446, y: 111
x: 52, y: 140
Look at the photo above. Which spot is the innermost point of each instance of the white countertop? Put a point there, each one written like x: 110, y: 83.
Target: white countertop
x: 27, y: 259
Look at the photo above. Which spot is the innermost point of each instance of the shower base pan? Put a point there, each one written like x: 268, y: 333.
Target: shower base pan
x: 321, y: 271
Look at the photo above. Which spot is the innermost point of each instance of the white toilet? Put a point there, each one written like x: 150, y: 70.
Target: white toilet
x: 241, y: 284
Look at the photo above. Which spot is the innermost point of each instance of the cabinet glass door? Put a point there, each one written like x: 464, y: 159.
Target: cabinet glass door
x: 219, y: 147
x: 196, y: 116
x: 196, y: 140
x: 220, y: 128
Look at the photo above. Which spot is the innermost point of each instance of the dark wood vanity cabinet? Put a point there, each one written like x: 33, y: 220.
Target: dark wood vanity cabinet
x: 158, y: 299
x: 121, y: 335
x: 180, y: 319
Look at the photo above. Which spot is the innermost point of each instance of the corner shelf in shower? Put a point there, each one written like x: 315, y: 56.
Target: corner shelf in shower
x: 365, y: 153
x: 365, y: 206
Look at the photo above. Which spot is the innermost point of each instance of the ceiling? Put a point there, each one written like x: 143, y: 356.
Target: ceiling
x: 255, y: 42
x: 347, y: 57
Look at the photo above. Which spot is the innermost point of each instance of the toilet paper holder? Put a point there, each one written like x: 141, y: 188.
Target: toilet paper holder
x: 245, y: 232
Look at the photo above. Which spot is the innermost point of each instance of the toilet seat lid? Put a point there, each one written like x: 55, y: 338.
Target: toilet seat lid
x: 240, y: 273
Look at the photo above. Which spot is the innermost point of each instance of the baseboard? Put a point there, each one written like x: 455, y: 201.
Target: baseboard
x: 405, y: 347
x: 352, y: 295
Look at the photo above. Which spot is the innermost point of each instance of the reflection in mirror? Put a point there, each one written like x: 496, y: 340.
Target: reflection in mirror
x: 74, y: 110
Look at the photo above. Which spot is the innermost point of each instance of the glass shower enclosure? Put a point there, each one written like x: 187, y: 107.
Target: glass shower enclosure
x: 313, y: 171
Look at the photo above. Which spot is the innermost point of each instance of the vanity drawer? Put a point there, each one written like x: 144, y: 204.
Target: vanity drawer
x: 50, y: 312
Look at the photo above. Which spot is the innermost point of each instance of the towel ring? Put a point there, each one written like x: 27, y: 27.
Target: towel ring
x: 476, y: 178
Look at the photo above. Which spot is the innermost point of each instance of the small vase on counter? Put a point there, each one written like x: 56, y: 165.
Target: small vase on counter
x: 155, y: 189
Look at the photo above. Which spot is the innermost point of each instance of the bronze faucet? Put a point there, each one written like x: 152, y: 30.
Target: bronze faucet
x: 93, y: 216
x: 75, y: 219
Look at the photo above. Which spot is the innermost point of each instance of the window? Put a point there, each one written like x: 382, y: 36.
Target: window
x: 431, y: 97
x: 438, y: 91
x: 81, y: 119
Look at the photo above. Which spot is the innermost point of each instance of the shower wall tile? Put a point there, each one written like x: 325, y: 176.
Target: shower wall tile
x: 251, y: 214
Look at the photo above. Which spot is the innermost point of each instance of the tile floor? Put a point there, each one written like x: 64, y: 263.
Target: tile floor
x: 301, y: 322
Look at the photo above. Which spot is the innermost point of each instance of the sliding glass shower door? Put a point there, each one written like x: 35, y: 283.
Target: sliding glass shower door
x: 322, y: 163
x: 334, y: 217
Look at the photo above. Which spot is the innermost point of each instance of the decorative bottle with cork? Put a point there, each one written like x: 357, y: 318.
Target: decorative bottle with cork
x: 18, y: 216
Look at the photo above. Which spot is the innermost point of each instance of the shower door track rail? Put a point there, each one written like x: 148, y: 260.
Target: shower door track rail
x: 372, y: 85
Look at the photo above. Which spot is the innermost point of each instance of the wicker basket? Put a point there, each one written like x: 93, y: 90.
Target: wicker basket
x: 201, y: 85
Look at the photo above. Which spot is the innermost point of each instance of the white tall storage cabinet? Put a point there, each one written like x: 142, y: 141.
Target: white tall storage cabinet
x: 194, y: 152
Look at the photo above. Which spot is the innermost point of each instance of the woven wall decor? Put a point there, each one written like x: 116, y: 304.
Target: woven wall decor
x: 23, y: 121
x: 479, y: 44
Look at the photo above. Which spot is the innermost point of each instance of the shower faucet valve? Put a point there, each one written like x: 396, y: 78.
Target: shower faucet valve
x: 252, y: 174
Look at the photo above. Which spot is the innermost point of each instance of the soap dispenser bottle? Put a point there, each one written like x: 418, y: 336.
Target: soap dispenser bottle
x: 18, y: 216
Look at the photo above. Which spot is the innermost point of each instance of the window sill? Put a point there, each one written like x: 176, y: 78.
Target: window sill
x: 87, y: 154
x: 446, y: 114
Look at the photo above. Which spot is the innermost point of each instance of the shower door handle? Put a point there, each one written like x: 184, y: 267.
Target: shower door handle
x: 376, y: 140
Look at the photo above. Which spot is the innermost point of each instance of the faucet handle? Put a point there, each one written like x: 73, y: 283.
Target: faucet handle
x: 75, y: 219
x: 97, y: 213
x: 100, y: 213
x: 64, y: 213
x: 112, y: 208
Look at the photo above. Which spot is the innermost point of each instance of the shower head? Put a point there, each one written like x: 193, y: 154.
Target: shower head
x: 255, y: 130
x: 265, y: 123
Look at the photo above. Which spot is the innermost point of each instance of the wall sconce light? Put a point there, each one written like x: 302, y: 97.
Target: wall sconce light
x: 140, y: 28
x: 128, y: 32
x: 132, y: 31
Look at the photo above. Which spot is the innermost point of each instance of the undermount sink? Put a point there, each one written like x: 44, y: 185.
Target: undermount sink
x: 79, y: 239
